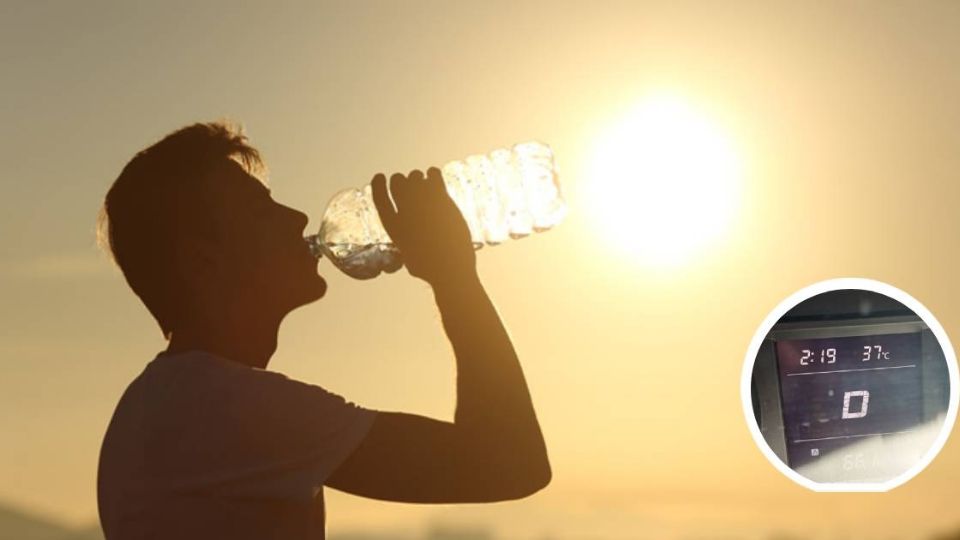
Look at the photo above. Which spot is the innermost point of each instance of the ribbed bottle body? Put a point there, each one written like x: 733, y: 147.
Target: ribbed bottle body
x: 507, y: 193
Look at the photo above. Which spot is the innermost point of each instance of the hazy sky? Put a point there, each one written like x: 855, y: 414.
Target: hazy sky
x: 845, y: 117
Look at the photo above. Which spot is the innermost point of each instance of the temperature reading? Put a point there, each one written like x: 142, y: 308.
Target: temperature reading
x: 823, y: 356
x: 874, y: 352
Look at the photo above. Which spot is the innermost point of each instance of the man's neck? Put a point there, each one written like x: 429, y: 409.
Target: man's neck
x: 246, y: 341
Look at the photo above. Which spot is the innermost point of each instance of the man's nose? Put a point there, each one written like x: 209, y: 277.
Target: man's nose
x: 302, y: 220
x: 299, y: 219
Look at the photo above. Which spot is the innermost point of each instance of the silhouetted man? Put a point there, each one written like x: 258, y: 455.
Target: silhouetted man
x: 205, y: 442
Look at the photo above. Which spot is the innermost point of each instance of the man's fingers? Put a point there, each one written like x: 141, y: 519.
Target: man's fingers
x: 411, y: 194
x: 435, y: 179
x: 399, y: 190
x: 418, y: 182
x: 388, y: 216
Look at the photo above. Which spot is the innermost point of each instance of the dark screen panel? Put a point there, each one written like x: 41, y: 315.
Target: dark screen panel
x: 840, y: 391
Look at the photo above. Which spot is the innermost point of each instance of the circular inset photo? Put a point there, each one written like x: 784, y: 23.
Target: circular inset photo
x: 850, y: 385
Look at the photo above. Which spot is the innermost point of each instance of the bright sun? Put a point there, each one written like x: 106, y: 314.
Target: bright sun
x: 663, y: 181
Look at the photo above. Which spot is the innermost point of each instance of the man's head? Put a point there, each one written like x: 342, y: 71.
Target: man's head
x: 197, y: 234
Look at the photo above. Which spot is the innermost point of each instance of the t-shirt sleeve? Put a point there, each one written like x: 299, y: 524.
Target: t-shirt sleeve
x: 257, y: 433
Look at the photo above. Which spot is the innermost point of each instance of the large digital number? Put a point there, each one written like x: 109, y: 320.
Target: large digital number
x: 863, y: 404
x: 807, y: 354
x: 832, y: 355
x: 866, y: 353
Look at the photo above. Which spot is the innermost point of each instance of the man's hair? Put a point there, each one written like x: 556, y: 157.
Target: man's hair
x: 157, y: 200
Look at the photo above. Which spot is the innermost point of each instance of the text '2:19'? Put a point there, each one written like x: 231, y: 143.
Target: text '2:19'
x: 825, y: 356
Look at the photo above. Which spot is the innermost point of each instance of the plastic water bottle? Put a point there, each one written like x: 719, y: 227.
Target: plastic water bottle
x: 508, y: 193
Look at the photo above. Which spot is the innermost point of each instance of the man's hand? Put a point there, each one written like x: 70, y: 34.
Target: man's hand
x: 494, y: 449
x: 426, y: 226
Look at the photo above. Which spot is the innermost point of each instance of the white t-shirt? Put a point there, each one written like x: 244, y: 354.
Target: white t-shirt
x: 201, y: 447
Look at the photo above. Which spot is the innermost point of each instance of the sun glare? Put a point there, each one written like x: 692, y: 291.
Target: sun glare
x: 664, y: 181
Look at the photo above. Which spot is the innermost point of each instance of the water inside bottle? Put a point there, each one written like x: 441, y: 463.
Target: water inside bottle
x: 368, y: 261
x: 357, y: 261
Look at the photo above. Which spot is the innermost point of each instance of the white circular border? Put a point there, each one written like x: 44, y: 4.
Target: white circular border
x: 833, y: 285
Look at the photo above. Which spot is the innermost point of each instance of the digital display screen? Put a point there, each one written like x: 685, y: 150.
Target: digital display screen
x: 848, y: 393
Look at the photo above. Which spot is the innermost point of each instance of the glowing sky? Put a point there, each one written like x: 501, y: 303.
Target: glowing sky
x: 844, y: 118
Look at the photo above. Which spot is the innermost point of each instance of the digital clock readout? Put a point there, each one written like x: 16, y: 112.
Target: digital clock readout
x: 841, y: 392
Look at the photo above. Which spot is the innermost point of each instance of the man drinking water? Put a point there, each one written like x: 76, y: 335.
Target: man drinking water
x: 208, y: 443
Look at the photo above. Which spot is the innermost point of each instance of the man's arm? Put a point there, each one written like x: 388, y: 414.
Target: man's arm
x: 494, y: 449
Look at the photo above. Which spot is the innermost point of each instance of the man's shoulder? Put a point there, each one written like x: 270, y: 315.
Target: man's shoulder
x: 200, y: 376
x: 194, y: 367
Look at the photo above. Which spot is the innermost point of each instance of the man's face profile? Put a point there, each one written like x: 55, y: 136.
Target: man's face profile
x: 199, y: 238
x: 252, y: 250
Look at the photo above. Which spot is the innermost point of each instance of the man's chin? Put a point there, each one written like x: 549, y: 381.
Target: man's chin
x: 308, y: 292
x: 319, y: 289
